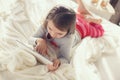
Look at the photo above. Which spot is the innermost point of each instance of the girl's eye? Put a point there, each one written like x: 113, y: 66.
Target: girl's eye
x: 59, y: 34
x: 50, y: 29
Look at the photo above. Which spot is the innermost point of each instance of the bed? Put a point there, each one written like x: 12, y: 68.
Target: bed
x: 19, y: 19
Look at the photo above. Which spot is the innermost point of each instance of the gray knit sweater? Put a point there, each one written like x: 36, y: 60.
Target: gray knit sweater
x: 64, y: 44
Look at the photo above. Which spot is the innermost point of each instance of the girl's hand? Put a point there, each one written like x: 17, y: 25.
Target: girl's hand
x: 56, y: 64
x: 41, y: 46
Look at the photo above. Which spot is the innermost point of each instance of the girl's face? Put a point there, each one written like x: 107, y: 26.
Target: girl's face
x: 55, y: 32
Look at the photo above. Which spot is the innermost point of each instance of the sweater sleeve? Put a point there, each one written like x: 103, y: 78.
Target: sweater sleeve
x: 65, y: 49
x: 39, y: 34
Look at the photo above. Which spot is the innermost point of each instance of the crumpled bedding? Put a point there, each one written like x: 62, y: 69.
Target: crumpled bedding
x: 21, y: 18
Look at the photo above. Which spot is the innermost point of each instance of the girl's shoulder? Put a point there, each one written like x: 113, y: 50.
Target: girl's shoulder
x: 69, y: 36
x: 42, y: 28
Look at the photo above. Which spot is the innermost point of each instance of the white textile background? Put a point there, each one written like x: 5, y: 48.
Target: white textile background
x: 19, y: 19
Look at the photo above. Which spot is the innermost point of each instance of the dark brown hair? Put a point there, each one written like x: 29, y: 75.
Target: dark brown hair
x: 63, y: 18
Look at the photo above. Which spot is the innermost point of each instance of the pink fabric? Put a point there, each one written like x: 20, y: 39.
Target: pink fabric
x: 88, y: 29
x: 53, y: 43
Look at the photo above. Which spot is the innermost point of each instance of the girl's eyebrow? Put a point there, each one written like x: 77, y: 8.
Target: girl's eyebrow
x: 49, y: 27
x: 60, y: 33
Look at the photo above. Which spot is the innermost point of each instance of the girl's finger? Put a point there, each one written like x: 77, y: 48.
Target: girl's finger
x: 51, y: 67
x: 36, y: 48
x: 45, y: 52
x: 39, y: 50
x: 55, y: 64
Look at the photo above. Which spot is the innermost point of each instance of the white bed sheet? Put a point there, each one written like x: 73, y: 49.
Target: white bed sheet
x: 20, y: 20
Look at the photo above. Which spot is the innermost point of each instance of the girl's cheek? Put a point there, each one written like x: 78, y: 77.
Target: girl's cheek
x: 49, y: 31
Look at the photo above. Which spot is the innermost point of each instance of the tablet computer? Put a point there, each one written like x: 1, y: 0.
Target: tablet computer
x: 39, y: 57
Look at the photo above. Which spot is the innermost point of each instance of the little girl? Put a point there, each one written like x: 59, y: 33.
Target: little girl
x: 59, y: 30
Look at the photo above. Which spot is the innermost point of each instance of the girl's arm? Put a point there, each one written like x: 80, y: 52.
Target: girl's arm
x: 63, y: 56
x: 65, y: 49
x: 38, y: 41
x: 39, y: 34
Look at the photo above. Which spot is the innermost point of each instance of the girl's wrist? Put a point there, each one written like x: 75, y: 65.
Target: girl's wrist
x: 38, y: 40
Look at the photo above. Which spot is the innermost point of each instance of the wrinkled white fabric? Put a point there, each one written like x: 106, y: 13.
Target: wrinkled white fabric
x: 91, y: 50
x: 21, y: 18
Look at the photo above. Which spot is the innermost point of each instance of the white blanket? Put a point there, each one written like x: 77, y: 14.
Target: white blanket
x: 19, y: 19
